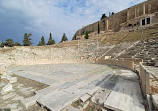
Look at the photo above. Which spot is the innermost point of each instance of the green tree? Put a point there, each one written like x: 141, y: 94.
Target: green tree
x: 27, y: 39
x: 9, y: 43
x: 51, y: 41
x: 17, y: 44
x: 98, y: 28
x: 43, y: 41
x: 112, y: 13
x: 64, y: 38
x: 87, y: 36
x: 83, y: 32
x: 103, y: 16
x: 39, y: 44
x: 2, y: 44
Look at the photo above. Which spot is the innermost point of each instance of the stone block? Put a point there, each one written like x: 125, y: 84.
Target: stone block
x: 156, y: 64
x: 93, y: 90
x: 2, y: 68
x: 85, y: 97
x: 104, y: 109
x: 2, y: 84
x: 9, y: 78
x: 3, y: 77
x: 12, y: 79
x: 9, y: 72
x: 29, y: 101
x: 155, y: 101
x: 7, y: 88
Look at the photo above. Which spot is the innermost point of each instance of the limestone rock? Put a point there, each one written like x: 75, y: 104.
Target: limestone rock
x: 12, y: 79
x: 7, y: 88
x: 85, y: 97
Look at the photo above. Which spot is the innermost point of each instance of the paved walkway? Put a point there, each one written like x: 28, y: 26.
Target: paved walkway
x: 70, y: 82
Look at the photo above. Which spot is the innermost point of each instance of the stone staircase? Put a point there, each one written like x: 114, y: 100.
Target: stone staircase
x: 91, y: 55
x: 146, y: 50
x: 118, y: 48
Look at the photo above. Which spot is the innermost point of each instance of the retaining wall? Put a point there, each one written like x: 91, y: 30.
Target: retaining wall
x: 144, y: 80
x: 38, y: 55
x: 136, y: 61
x: 121, y: 63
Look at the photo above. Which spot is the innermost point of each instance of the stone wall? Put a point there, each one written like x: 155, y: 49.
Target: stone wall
x: 127, y: 18
x: 120, y: 63
x: 38, y: 55
x: 144, y: 80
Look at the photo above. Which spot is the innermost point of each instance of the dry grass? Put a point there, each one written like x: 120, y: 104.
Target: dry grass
x: 154, y: 90
x: 77, y: 104
x: 120, y: 37
x: 90, y: 107
x: 30, y: 83
x: 66, y: 44
x: 154, y: 86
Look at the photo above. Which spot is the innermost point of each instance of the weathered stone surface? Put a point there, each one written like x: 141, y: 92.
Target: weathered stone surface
x: 12, y: 79
x: 126, y: 96
x: 70, y: 108
x: 156, y: 64
x: 8, y: 96
x: 38, y: 55
x: 2, y: 84
x: 155, y: 101
x: 4, y: 76
x: 7, y: 88
x: 85, y: 97
x: 58, y: 100
x: 72, y: 82
x: 149, y: 108
x: 29, y: 101
x: 101, y: 95
x: 83, y: 81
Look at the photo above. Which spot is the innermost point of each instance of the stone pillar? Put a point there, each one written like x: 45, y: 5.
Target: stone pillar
x: 135, y: 12
x: 144, y: 9
x: 127, y: 15
x: 149, y: 8
x: 107, y: 24
x: 138, y: 11
x: 104, y: 25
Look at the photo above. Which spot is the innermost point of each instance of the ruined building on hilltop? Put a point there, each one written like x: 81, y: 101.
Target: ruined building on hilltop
x: 143, y: 14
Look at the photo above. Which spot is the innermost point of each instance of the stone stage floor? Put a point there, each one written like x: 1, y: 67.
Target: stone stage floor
x: 68, y: 83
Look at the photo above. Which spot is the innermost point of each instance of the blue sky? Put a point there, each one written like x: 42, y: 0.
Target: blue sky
x: 40, y: 17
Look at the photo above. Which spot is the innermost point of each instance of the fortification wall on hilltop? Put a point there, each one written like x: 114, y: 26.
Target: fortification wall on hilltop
x: 37, y: 55
x: 126, y: 19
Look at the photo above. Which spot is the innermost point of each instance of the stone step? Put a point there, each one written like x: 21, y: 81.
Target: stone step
x: 101, y: 95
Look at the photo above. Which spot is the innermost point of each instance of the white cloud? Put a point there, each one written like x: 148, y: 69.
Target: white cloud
x: 59, y: 16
